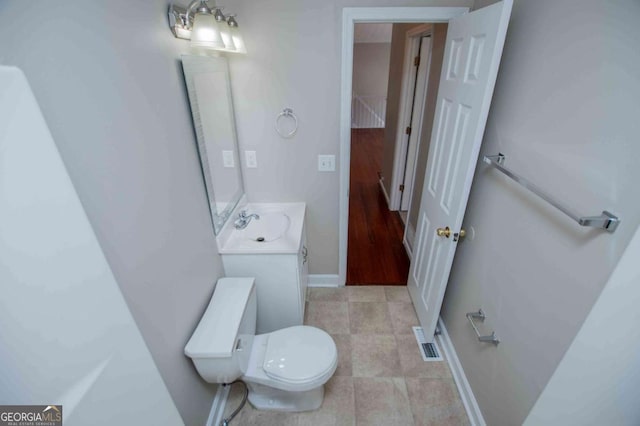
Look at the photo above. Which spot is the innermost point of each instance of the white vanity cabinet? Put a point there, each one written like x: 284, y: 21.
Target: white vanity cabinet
x: 281, y: 283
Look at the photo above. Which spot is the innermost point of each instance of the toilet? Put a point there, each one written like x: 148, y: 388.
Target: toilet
x: 284, y: 370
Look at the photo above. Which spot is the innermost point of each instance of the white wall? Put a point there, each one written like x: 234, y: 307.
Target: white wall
x: 370, y: 75
x: 371, y: 68
x: 564, y: 113
x: 598, y: 379
x: 294, y: 61
x: 108, y: 79
x: 67, y: 335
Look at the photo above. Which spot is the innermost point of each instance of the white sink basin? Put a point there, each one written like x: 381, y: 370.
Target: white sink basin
x: 278, y: 231
x: 270, y: 227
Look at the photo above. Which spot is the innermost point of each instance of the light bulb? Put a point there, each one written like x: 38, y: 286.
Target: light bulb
x: 238, y: 41
x: 205, y: 32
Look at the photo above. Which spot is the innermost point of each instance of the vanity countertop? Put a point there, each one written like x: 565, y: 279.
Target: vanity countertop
x: 289, y: 215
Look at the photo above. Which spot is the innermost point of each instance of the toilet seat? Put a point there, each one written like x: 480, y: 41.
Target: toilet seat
x: 300, y: 355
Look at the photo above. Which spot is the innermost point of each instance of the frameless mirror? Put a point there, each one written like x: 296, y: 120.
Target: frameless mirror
x: 209, y: 92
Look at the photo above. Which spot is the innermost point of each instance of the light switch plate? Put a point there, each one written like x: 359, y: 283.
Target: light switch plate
x: 326, y: 163
x: 251, y: 159
x: 227, y: 159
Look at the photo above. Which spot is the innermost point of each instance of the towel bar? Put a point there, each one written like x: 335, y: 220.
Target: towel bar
x: 607, y: 221
x: 481, y: 316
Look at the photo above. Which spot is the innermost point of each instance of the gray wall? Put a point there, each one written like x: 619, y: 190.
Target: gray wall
x: 438, y: 38
x: 565, y: 112
x: 371, y: 68
x: 67, y: 335
x: 108, y: 79
x: 294, y: 61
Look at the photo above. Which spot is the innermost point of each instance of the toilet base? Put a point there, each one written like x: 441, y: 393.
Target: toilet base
x: 267, y: 398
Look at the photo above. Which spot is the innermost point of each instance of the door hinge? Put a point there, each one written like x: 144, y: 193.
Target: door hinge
x: 408, y: 130
x: 416, y: 61
x: 401, y: 188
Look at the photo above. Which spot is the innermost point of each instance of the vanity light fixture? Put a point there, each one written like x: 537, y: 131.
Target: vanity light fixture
x: 204, y: 30
x: 238, y: 41
x: 206, y: 27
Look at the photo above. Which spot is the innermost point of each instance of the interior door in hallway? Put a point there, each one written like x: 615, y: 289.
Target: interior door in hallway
x: 472, y: 55
x: 419, y: 95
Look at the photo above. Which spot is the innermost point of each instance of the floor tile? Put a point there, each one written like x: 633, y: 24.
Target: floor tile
x: 381, y: 378
x: 369, y: 318
x: 397, y: 294
x: 412, y: 363
x: 249, y: 416
x: 403, y: 317
x: 338, y: 407
x: 332, y: 317
x: 343, y: 344
x: 235, y: 396
x: 366, y: 294
x: 375, y: 356
x: 327, y: 294
x: 435, y: 402
x: 382, y: 401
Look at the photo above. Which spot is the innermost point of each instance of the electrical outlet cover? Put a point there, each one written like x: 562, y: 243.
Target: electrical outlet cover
x: 251, y: 159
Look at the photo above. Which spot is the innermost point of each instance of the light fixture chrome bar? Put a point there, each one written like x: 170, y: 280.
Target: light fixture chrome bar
x: 481, y: 316
x: 179, y: 23
x: 182, y: 21
x: 606, y: 220
x: 181, y: 18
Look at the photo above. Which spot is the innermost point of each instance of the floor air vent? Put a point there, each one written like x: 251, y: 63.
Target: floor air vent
x: 429, y: 351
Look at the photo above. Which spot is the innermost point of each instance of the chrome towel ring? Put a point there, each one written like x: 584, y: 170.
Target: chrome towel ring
x: 287, y: 113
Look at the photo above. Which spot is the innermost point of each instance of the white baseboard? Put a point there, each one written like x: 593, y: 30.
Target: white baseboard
x: 466, y: 394
x: 218, y: 405
x: 384, y: 192
x: 409, y: 235
x: 324, y: 280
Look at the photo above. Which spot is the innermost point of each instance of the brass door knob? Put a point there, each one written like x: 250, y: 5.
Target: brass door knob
x: 463, y: 233
x: 443, y: 232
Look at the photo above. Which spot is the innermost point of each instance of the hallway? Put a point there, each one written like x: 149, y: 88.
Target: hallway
x: 376, y: 255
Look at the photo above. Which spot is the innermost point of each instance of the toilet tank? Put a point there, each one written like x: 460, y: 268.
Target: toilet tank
x: 221, y: 343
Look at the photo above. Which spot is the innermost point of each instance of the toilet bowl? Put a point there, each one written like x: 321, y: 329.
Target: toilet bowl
x: 284, y: 370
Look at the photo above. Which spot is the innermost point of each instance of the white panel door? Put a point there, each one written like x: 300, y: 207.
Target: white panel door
x: 419, y: 99
x: 471, y: 59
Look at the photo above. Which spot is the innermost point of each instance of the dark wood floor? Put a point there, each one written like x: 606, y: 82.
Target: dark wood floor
x: 375, y: 253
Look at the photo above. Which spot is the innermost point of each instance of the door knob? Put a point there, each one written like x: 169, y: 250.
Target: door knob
x: 446, y: 232
x: 443, y: 232
x: 459, y: 235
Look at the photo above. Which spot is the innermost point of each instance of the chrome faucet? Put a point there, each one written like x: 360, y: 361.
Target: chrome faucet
x: 243, y: 219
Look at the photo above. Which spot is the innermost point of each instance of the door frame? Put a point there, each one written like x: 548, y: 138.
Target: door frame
x: 351, y: 16
x: 409, y: 77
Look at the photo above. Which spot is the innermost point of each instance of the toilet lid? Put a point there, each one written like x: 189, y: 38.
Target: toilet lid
x: 299, y: 354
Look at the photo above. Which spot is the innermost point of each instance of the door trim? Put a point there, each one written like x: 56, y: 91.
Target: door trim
x: 409, y: 76
x: 351, y: 16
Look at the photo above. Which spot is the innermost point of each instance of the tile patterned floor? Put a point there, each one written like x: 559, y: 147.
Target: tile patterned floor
x: 381, y: 378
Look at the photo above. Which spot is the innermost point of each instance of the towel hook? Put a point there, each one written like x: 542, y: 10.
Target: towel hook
x: 287, y: 112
